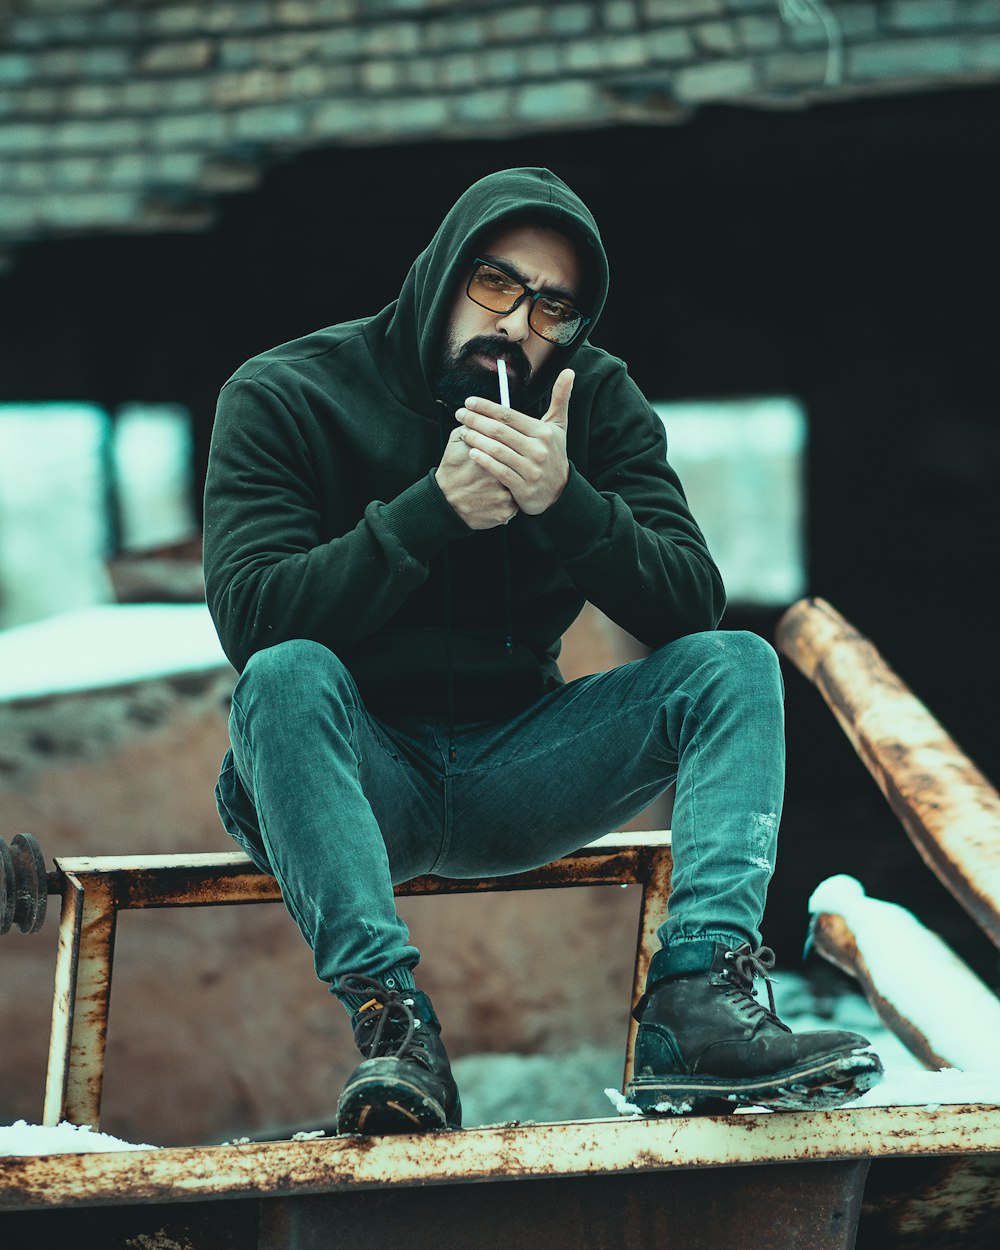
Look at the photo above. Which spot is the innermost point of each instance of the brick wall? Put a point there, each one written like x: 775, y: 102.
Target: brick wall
x: 137, y: 114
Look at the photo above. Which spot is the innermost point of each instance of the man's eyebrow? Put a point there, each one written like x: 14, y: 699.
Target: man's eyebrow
x: 560, y: 292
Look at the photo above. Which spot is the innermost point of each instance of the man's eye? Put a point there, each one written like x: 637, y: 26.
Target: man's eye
x: 556, y: 310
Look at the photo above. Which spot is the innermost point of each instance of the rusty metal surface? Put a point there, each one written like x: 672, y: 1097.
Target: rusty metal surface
x: 83, y: 975
x: 652, y: 913
x: 519, y: 1151
x: 932, y: 1204
x: 805, y: 1206
x: 948, y: 808
x: 23, y: 884
x: 95, y: 889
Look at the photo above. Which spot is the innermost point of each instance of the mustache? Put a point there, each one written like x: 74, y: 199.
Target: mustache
x: 488, y: 345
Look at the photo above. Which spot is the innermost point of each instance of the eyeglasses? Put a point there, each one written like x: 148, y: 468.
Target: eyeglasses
x: 553, y: 319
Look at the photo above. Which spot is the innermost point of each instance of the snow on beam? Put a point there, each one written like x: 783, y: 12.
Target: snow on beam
x: 933, y: 1002
x: 949, y: 809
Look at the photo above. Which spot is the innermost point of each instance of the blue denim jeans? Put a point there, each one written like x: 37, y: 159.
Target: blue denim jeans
x: 339, y: 805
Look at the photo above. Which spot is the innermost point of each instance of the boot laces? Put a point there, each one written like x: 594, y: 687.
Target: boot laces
x: 747, y: 964
x: 385, y: 1025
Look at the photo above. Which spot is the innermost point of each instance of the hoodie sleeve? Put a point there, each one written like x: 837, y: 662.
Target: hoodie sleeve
x: 622, y: 529
x: 270, y: 575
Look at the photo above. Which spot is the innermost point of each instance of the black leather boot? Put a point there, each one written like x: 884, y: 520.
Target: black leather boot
x: 706, y: 1044
x: 404, y: 1084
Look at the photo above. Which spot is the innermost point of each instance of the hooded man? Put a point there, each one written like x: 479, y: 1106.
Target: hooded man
x: 391, y: 560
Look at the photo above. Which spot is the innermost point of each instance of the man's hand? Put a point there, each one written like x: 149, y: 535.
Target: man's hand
x: 521, y: 453
x: 479, y: 499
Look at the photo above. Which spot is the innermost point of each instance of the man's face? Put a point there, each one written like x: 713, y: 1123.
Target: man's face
x: 543, y: 260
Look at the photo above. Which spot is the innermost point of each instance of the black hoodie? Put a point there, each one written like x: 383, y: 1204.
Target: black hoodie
x: 323, y: 519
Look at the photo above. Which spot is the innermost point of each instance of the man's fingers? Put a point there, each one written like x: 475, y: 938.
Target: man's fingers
x: 503, y: 431
x: 559, y: 404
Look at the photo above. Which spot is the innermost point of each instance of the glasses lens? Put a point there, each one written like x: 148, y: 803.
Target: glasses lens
x: 493, y: 289
x: 554, y: 320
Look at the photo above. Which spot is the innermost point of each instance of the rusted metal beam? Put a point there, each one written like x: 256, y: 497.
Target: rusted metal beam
x: 95, y: 889
x: 521, y: 1151
x: 949, y: 809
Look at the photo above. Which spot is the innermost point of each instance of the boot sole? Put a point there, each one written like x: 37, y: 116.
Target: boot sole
x: 818, y: 1085
x: 374, y: 1106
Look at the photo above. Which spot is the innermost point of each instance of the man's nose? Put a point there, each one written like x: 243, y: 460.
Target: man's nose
x: 515, y: 324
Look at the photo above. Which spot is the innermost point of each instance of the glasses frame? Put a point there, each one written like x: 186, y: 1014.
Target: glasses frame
x: 535, y: 296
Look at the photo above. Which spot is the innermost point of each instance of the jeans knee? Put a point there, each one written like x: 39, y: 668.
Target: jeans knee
x: 737, y: 658
x: 295, y: 672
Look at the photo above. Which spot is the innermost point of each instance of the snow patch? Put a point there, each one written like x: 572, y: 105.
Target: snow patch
x: 919, y: 975
x: 108, y: 645
x: 21, y: 1138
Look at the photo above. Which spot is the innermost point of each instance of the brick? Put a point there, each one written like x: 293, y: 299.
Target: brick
x: 109, y: 62
x: 982, y: 54
x: 64, y: 63
x: 454, y: 32
x: 93, y: 99
x: 570, y: 19
x: 681, y: 10
x: 253, y: 86
x: 857, y: 21
x: 85, y: 136
x: 340, y: 44
x: 190, y: 130
x: 181, y: 19
x: 559, y: 102
x: 542, y: 60
x: 379, y: 76
x: 460, y: 70
x: 295, y: 13
x: 808, y: 34
x: 716, y: 37
x: 919, y: 14
x: 306, y: 81
x: 583, y: 56
x: 619, y: 15
x: 981, y: 13
x: 24, y: 175
x: 144, y: 95
x: 15, y: 68
x: 341, y: 118
x: 79, y: 171
x: 516, y: 24
x: 63, y: 6
x: 224, y: 18
x: 290, y: 49
x: 118, y: 23
x: 905, y: 58
x: 18, y: 213
x: 128, y: 169
x: 42, y: 101
x: 89, y: 209
x: 757, y: 33
x: 795, y: 69
x: 188, y: 94
x: 423, y: 72
x: 171, y: 57
x: 176, y: 167
x: 623, y: 53
x: 268, y: 122
x: 669, y: 45
x: 391, y: 39
x: 481, y: 107
x: 503, y: 64
x: 407, y: 114
x: 714, y: 81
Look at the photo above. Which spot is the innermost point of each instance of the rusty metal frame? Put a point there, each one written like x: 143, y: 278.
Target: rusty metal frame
x: 517, y: 1151
x: 95, y: 889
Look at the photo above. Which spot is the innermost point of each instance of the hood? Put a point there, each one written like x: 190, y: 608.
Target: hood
x: 413, y: 327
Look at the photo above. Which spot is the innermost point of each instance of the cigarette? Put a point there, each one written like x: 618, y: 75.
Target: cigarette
x: 504, y: 388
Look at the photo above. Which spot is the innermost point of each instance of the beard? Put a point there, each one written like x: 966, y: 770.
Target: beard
x: 460, y: 375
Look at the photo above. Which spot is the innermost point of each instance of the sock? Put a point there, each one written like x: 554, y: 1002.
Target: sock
x: 398, y: 978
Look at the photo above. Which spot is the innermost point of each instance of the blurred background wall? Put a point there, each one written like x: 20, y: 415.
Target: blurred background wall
x: 798, y: 203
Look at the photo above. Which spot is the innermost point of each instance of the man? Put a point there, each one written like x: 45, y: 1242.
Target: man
x: 391, y: 559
